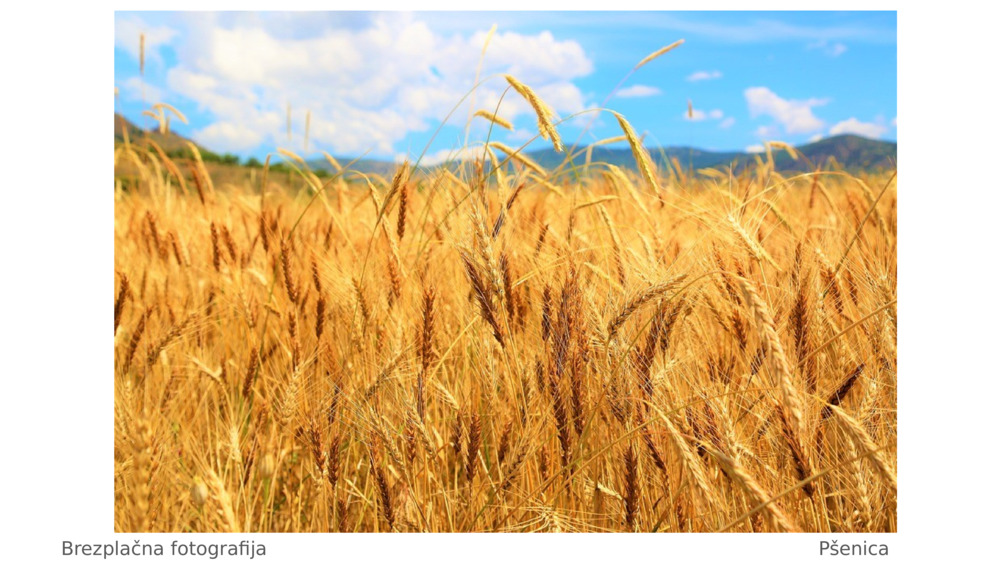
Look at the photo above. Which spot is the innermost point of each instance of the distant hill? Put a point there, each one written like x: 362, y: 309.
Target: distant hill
x: 363, y: 165
x: 622, y: 157
x: 170, y: 142
x: 850, y: 151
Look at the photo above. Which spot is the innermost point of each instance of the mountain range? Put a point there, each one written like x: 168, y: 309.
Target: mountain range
x: 851, y: 152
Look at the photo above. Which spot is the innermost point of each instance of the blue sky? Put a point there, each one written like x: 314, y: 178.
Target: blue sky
x: 381, y: 83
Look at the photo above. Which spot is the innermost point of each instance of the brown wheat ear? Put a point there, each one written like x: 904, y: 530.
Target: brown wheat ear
x: 384, y: 495
x: 286, y: 269
x: 333, y: 462
x: 631, y: 487
x: 838, y: 396
x: 640, y: 299
x: 472, y: 453
x: 123, y: 294
x: 483, y: 294
x: 404, y: 199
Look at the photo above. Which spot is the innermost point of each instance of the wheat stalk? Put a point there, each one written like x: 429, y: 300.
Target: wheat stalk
x: 657, y: 53
x: 863, y: 441
x: 542, y: 110
x: 639, y: 152
x: 494, y: 118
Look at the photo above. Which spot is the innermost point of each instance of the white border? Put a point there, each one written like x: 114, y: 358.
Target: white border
x: 57, y: 232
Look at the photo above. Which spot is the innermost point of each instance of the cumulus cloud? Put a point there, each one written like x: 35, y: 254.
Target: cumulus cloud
x: 445, y: 155
x: 701, y: 115
x: 230, y: 137
x: 638, y: 91
x: 134, y: 89
x: 367, y: 84
x: 704, y: 75
x: 767, y: 132
x: 856, y: 127
x: 794, y: 116
x: 532, y: 58
x: 520, y: 136
x: 829, y: 49
x: 816, y: 137
x: 127, y: 31
x: 727, y: 123
x: 754, y: 149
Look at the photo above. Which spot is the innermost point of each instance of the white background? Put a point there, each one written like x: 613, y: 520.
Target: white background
x: 56, y: 230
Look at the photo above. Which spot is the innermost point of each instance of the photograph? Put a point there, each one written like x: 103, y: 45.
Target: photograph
x: 504, y: 272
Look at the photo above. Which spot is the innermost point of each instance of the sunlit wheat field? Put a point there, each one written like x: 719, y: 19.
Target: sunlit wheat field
x: 489, y: 345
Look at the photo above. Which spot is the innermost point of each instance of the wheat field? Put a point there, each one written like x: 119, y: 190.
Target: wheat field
x: 494, y: 346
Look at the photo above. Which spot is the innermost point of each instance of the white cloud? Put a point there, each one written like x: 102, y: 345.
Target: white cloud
x: 816, y: 137
x: 829, y: 49
x: 532, y: 58
x: 445, y: 155
x: 638, y: 91
x: 367, y: 84
x: 753, y: 149
x: 520, y: 136
x: 855, y: 127
x: 563, y: 96
x: 701, y: 115
x: 228, y: 137
x: 727, y: 123
x: 134, y: 89
x: 128, y: 29
x: 893, y: 121
x: 767, y: 132
x: 795, y: 116
x: 704, y: 75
